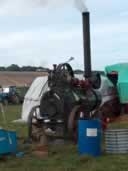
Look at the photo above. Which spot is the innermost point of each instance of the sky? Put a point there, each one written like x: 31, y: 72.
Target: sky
x: 36, y: 34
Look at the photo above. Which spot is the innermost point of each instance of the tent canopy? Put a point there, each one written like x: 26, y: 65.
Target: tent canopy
x: 33, y: 96
x: 122, y: 83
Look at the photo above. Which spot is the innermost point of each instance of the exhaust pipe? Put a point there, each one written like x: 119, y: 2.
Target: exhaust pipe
x: 87, y: 46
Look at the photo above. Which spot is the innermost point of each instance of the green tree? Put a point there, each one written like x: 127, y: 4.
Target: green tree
x: 13, y: 67
x: 2, y: 68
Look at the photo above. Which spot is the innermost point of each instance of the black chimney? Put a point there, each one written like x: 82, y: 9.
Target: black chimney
x: 87, y: 46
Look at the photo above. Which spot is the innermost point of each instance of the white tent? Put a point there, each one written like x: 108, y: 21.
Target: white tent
x: 33, y: 96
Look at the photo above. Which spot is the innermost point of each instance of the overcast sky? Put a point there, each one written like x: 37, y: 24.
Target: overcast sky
x: 34, y: 35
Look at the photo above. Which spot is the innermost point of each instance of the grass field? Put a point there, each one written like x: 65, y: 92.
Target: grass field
x: 61, y: 158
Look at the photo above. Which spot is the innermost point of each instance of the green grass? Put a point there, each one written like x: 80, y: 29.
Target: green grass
x: 61, y: 158
x: 116, y: 125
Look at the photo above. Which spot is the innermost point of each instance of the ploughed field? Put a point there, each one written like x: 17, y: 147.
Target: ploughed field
x: 61, y: 158
x: 18, y: 79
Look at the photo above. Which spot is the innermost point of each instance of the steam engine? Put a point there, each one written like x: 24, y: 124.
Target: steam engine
x: 69, y: 98
x: 67, y: 94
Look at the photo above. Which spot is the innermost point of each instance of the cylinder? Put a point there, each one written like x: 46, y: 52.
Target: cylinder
x: 89, y: 137
x: 116, y: 141
x: 86, y: 44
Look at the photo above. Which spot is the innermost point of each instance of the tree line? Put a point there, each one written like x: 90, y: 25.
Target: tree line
x: 14, y: 67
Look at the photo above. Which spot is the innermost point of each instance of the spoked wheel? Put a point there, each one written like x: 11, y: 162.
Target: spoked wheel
x: 36, y: 131
x: 73, y: 123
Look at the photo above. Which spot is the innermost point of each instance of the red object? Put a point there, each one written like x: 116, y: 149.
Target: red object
x: 114, y: 73
x: 81, y: 83
x: 126, y: 108
x: 105, y: 122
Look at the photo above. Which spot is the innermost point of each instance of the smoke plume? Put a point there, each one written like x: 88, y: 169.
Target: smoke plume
x: 80, y: 5
x: 23, y: 6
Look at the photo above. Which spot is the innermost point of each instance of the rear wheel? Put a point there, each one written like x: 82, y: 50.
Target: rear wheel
x: 73, y: 123
x: 36, y: 131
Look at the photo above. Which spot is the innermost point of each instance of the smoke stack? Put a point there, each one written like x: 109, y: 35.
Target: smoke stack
x: 87, y: 46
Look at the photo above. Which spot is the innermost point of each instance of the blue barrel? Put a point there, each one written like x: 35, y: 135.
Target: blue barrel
x: 89, y: 137
x: 8, y: 143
